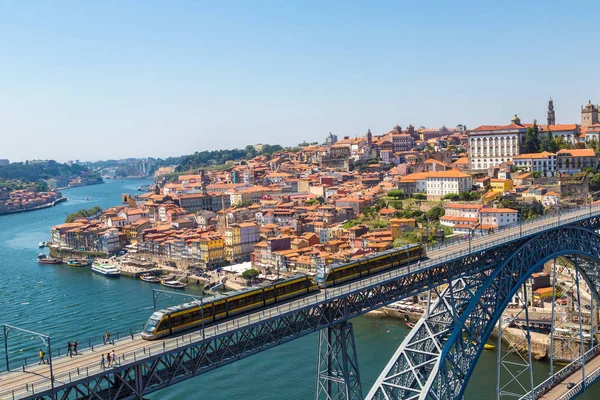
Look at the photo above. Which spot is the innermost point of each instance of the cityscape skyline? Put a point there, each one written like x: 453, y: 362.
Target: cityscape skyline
x: 158, y: 81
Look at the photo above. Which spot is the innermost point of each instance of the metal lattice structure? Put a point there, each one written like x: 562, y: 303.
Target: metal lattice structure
x: 338, y: 377
x: 437, y: 358
x: 481, y: 279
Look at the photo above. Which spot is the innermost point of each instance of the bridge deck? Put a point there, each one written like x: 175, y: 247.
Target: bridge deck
x: 19, y: 383
x: 561, y: 388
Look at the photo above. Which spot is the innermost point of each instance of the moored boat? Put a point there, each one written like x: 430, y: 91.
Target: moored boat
x: 105, y: 268
x: 77, y: 262
x: 150, y: 278
x: 42, y: 244
x: 173, y: 284
x: 489, y: 346
x: 44, y: 259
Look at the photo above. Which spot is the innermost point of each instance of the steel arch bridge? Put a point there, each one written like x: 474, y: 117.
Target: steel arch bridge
x: 437, y: 358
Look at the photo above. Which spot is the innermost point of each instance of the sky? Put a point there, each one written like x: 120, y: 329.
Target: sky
x: 93, y: 80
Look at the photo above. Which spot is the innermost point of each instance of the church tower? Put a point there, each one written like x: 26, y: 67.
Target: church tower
x: 551, y: 116
x: 369, y: 138
x: 589, y: 114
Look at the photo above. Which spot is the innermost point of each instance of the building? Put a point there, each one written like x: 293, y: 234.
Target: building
x: 501, y: 185
x: 436, y: 184
x: 402, y: 142
x: 551, y: 116
x: 491, y: 145
x: 495, y: 218
x: 544, y: 163
x: 574, y: 160
x: 589, y: 114
x: 4, y: 162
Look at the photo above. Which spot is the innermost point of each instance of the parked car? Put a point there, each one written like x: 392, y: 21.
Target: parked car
x: 570, y: 385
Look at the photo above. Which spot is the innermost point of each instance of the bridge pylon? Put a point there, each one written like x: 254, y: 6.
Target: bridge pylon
x: 337, y: 365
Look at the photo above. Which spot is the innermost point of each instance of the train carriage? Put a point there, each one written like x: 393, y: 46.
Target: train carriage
x: 196, y: 314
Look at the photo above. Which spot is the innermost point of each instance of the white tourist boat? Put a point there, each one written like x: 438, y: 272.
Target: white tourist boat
x: 105, y: 268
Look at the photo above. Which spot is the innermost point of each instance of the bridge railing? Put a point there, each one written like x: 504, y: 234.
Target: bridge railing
x: 171, y: 344
x: 561, y: 375
x: 577, y: 389
x: 61, y: 349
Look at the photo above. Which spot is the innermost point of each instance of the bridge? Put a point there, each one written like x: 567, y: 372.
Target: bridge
x: 481, y: 277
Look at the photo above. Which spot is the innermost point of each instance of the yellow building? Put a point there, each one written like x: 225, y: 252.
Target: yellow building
x: 501, y: 185
x: 233, y: 242
x: 212, y: 249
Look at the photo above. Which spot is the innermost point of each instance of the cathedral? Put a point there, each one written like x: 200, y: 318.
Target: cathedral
x: 589, y: 114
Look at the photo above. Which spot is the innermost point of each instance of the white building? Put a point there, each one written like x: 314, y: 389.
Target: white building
x: 497, y: 217
x: 437, y: 184
x: 491, y: 145
x: 544, y: 162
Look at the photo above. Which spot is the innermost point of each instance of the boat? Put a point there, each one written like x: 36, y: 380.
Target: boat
x: 44, y: 259
x: 150, y: 278
x: 173, y: 284
x: 105, y: 268
x: 77, y: 262
x: 407, y: 322
x: 43, y: 244
x: 487, y: 346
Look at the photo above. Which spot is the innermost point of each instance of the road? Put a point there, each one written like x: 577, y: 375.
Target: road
x: 128, y: 350
x: 561, y: 389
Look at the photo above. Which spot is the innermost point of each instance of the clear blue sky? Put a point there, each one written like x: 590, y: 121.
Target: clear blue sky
x: 105, y: 79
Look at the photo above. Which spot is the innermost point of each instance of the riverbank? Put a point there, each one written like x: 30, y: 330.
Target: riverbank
x: 41, y: 207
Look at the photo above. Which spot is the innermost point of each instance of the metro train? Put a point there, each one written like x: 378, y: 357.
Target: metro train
x: 183, y: 317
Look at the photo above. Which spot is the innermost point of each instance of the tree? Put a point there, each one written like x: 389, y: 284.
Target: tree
x: 435, y: 213
x: 531, y: 143
x: 451, y: 197
x: 250, y: 274
x: 398, y: 194
x: 580, y: 145
x: 561, y: 143
x: 548, y: 143
x: 419, y: 196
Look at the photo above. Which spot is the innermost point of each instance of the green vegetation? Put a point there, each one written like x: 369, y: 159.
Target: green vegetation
x: 396, y: 194
x: 205, y: 158
x: 469, y: 196
x: 419, y: 196
x: 250, y: 274
x: 451, y: 197
x: 83, y: 214
x: 531, y: 144
x: 32, y: 175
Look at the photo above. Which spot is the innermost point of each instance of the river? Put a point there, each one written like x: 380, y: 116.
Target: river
x: 72, y: 303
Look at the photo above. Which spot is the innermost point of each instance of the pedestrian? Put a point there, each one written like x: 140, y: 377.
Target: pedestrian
x: 102, y: 365
x: 106, y: 337
x: 75, y: 346
x: 42, y: 354
x: 114, y: 358
x: 108, y: 359
x: 70, y: 349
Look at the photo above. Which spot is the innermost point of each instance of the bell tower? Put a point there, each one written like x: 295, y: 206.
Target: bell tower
x: 551, y: 116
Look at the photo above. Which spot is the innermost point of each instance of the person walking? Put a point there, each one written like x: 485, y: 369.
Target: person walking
x: 102, y: 364
x: 108, y: 359
x: 75, y: 346
x: 70, y: 349
x: 114, y: 358
x: 41, y: 354
x: 106, y: 337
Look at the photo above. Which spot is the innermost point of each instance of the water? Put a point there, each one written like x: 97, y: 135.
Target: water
x: 61, y: 301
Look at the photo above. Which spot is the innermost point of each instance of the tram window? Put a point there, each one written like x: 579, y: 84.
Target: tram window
x: 207, y: 311
x: 242, y: 302
x: 269, y: 294
x: 162, y: 325
x: 220, y: 308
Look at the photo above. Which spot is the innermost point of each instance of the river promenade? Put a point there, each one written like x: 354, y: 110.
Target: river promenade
x: 73, y: 303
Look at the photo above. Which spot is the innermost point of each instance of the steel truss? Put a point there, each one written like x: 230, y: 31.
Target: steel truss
x: 195, y: 355
x: 436, y: 359
x: 338, y: 377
